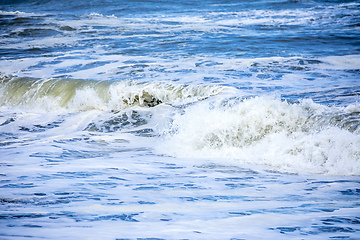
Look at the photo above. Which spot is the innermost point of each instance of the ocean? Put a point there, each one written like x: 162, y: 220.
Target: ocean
x: 154, y: 119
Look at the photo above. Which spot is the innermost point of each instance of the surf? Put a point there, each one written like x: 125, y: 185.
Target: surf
x: 81, y: 95
x: 300, y: 137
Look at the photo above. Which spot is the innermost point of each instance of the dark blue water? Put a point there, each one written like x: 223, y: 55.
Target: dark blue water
x: 301, y: 33
x: 271, y: 28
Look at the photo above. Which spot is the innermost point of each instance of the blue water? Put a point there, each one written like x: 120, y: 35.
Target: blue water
x: 179, y: 119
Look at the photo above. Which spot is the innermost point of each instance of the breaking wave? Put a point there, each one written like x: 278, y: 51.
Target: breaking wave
x: 81, y: 95
x: 207, y: 122
x: 305, y: 137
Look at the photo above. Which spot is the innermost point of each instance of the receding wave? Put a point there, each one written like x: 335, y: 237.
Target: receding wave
x: 305, y: 137
x: 82, y: 95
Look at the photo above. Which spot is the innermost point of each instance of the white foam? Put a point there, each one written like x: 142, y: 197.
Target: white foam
x: 347, y: 62
x: 265, y: 131
x: 17, y: 13
x: 82, y: 95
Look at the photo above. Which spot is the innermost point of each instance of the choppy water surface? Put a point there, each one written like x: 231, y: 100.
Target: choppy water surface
x: 179, y: 120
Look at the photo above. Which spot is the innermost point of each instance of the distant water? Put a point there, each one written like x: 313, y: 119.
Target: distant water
x: 179, y: 119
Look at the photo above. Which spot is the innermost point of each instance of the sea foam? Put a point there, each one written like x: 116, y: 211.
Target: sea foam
x: 304, y: 137
x: 82, y: 95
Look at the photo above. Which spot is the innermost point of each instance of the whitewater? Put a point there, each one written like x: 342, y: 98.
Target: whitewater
x: 179, y: 120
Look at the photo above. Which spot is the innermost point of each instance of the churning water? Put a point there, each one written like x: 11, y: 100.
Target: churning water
x: 180, y: 119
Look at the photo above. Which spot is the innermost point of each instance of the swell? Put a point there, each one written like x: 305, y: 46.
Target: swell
x: 81, y: 95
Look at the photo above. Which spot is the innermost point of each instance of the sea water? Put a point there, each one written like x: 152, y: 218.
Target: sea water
x: 179, y: 119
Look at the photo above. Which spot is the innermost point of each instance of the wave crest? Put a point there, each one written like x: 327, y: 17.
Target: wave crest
x: 81, y: 95
x: 305, y: 137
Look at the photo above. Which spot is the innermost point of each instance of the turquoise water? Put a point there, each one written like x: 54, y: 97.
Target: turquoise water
x: 179, y: 120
